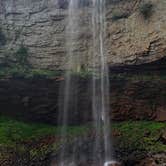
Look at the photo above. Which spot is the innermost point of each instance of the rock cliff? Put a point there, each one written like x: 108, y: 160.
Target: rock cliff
x: 39, y: 100
x: 40, y: 26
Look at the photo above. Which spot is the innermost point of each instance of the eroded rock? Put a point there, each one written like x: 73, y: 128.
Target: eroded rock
x: 148, y: 162
x: 41, y: 25
x: 112, y: 163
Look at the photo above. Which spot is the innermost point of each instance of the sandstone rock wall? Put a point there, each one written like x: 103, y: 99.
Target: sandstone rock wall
x: 135, y: 40
x: 40, y: 25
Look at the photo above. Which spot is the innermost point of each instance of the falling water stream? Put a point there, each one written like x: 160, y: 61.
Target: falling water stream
x: 100, y: 82
x: 69, y: 96
x: 102, y: 151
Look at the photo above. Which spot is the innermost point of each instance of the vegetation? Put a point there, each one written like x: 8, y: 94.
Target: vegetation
x: 19, y: 71
x: 17, y: 34
x: 17, y: 67
x: 119, y: 15
x: 2, y: 38
x: 39, y: 140
x: 31, y: 139
x: 140, y: 136
x: 43, y: 73
x: 12, y: 131
x: 146, y: 76
x: 20, y: 68
x: 22, y: 56
x: 81, y: 73
x: 146, y: 9
x: 132, y: 135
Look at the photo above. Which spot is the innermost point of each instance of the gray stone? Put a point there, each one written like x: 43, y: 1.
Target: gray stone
x: 40, y: 25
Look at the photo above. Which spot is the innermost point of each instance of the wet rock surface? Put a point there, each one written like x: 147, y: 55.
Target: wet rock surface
x: 39, y: 100
x: 138, y: 100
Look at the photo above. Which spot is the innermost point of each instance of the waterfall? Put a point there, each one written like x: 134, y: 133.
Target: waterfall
x: 100, y: 82
x: 101, y: 148
x: 70, y: 90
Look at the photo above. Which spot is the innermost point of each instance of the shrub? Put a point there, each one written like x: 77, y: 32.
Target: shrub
x: 22, y: 55
x: 2, y: 38
x: 146, y: 9
x: 5, y: 59
x: 17, y: 34
x: 119, y: 15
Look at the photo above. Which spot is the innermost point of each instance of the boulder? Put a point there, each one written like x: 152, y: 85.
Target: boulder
x: 112, y: 163
x: 161, y: 115
x: 147, y: 162
x: 163, y: 137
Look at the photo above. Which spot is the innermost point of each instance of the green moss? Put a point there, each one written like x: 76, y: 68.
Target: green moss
x: 43, y: 73
x: 24, y: 72
x: 22, y: 56
x: 12, y: 131
x: 81, y: 73
x: 146, y: 9
x: 119, y: 15
x: 14, y: 134
x: 140, y: 135
x: 3, y: 39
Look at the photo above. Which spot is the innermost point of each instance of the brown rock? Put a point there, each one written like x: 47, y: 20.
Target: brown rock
x: 147, y: 162
x: 161, y: 115
x: 163, y: 137
x: 112, y: 163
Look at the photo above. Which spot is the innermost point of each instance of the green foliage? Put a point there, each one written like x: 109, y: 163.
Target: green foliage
x: 140, y: 136
x: 82, y: 73
x: 22, y: 55
x: 2, y: 38
x: 12, y: 131
x: 21, y: 67
x: 42, y: 73
x: 24, y: 72
x: 146, y: 9
x: 119, y: 15
x: 16, y: 71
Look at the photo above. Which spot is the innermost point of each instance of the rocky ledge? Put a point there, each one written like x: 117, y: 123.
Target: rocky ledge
x: 139, y: 98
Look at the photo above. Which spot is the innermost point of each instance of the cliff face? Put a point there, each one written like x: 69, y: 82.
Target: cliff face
x: 136, y: 40
x: 38, y: 100
x: 40, y: 26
